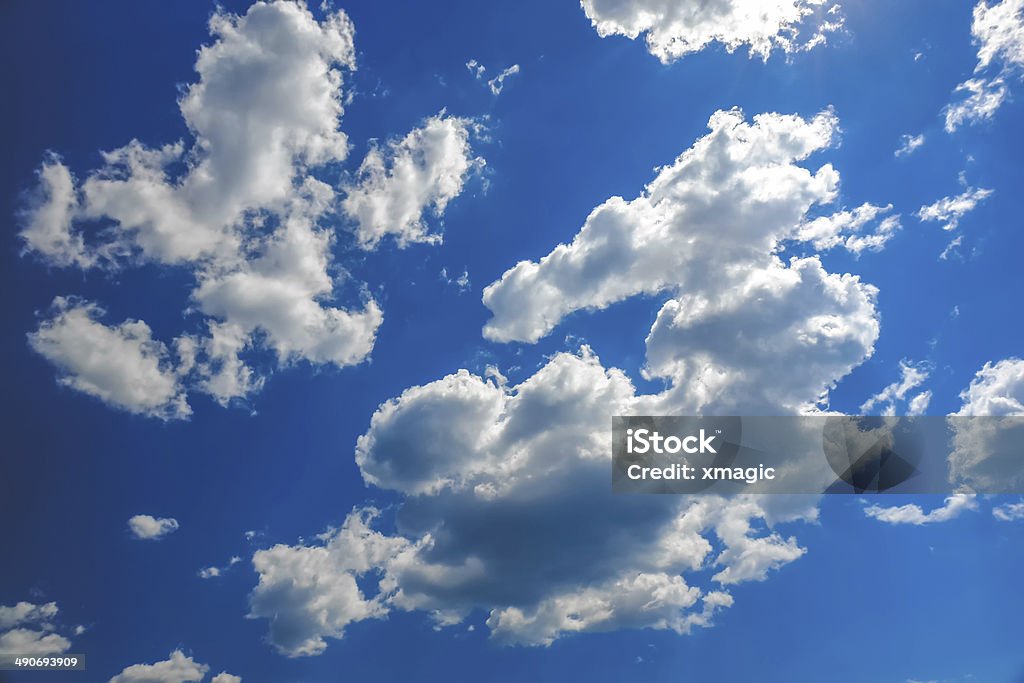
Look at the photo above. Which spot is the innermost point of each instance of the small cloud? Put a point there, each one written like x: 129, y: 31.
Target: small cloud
x: 462, y: 281
x: 212, y: 572
x: 909, y: 143
x: 913, y: 514
x: 476, y: 68
x: 147, y: 527
x: 497, y: 83
x: 1010, y: 512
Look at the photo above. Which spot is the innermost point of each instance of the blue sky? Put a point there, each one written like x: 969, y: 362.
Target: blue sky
x: 828, y: 589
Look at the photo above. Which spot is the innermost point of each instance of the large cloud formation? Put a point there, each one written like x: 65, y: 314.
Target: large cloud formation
x: 674, y: 29
x: 506, y: 503
x: 242, y: 210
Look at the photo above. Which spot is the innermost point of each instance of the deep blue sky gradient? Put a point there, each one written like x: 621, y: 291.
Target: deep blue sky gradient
x: 586, y: 119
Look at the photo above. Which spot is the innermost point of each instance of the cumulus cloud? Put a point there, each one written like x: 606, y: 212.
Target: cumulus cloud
x: 998, y: 31
x: 121, y: 365
x: 713, y: 215
x: 986, y: 453
x: 422, y: 172
x: 47, y: 219
x: 177, y: 668
x: 912, y: 513
x: 28, y: 629
x: 310, y: 592
x: 225, y: 677
x: 240, y: 208
x: 676, y: 29
x: 505, y: 502
x: 897, y: 396
x: 909, y: 144
x: 147, y: 527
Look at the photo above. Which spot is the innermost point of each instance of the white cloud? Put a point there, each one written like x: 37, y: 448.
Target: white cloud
x: 240, y: 208
x: 506, y: 504
x: 259, y: 116
x: 47, y: 218
x: 984, y: 97
x: 147, y: 527
x: 28, y: 629
x: 986, y: 454
x: 225, y: 677
x: 497, y: 84
x: 846, y: 229
x: 675, y: 29
x: 949, y: 210
x: 309, y: 593
x: 177, y: 668
x: 909, y: 144
x: 213, y: 571
x: 121, y: 365
x: 998, y: 31
x: 1009, y: 512
x: 462, y: 281
x: 911, y: 513
x: 476, y: 68
x: 713, y: 215
x: 888, y: 400
x: 397, y: 184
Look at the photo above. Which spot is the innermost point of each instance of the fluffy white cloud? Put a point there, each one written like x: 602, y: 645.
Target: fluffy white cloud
x: 713, y: 215
x: 177, y: 668
x: 279, y: 293
x: 674, y: 29
x: 888, y: 400
x: 986, y: 454
x: 506, y: 505
x: 121, y: 365
x: 267, y: 105
x: 225, y: 677
x: 48, y: 217
x: 396, y: 184
x: 909, y: 144
x: 911, y: 513
x: 28, y: 629
x: 776, y: 319
x: 309, y: 593
x: 1009, y: 512
x: 949, y: 210
x: 998, y: 30
x: 240, y: 207
x: 147, y: 527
